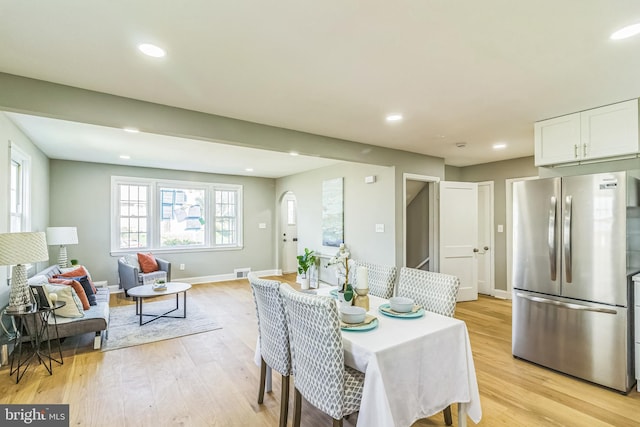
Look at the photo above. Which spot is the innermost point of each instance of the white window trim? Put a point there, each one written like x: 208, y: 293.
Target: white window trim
x: 155, y: 211
x: 20, y: 156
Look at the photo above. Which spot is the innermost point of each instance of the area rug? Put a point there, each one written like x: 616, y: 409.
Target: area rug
x: 125, y: 331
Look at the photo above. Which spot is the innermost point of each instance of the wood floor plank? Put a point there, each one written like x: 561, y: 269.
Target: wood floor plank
x: 210, y: 379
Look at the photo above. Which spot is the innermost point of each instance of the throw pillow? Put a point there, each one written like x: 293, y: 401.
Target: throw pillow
x: 78, y: 272
x: 37, y: 280
x: 88, y: 290
x: 76, y: 287
x: 148, y: 263
x: 73, y: 308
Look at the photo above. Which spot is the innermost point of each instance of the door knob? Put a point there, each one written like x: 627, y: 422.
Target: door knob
x: 476, y: 250
x: 486, y: 248
x: 284, y: 240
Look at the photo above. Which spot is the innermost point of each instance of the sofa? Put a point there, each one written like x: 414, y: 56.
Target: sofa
x: 95, y: 319
x: 131, y: 275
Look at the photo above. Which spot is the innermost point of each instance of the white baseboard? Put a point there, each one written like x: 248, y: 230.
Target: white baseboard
x: 224, y: 277
x: 499, y: 293
x: 115, y: 289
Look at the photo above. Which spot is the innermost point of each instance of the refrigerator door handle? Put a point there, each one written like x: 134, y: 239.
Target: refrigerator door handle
x: 566, y: 304
x: 567, y: 239
x: 551, y: 237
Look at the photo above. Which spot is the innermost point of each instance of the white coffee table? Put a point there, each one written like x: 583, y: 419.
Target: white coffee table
x: 139, y: 293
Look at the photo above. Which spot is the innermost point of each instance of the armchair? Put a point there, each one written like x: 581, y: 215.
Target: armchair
x: 131, y: 275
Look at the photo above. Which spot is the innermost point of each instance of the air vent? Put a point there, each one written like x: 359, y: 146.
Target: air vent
x: 241, y: 272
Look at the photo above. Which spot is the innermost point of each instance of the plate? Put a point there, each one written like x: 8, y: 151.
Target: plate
x: 412, y: 315
x: 363, y: 328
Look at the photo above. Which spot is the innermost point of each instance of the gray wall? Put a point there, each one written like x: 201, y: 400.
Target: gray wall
x: 81, y: 197
x: 364, y: 206
x: 498, y: 172
x: 39, y: 177
x: 29, y: 96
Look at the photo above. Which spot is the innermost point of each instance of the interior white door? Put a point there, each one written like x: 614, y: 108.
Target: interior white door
x: 289, y: 237
x: 459, y: 235
x: 485, y: 238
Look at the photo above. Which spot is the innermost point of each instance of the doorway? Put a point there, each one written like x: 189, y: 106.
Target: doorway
x: 289, y: 233
x: 420, y: 214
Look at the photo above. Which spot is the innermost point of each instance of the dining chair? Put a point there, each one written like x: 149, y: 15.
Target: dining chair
x: 274, y: 338
x: 435, y: 292
x: 382, y: 278
x: 317, y: 355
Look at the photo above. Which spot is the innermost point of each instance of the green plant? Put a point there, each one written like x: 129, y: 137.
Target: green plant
x: 74, y: 262
x: 305, y: 261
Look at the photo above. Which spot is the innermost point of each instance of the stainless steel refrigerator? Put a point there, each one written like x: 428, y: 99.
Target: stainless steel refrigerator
x: 575, y: 247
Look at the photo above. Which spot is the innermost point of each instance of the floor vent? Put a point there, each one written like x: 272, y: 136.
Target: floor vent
x: 242, y: 272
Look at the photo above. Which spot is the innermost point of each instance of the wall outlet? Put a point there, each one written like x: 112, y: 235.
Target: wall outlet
x: 181, y: 266
x: 262, y: 225
x: 500, y: 228
x: 379, y: 228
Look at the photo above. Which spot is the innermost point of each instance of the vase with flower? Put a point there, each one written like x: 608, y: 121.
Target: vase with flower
x: 343, y: 268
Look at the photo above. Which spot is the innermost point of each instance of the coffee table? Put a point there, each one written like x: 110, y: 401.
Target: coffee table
x: 140, y: 293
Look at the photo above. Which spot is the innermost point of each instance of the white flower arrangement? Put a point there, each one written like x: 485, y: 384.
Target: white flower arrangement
x: 343, y: 265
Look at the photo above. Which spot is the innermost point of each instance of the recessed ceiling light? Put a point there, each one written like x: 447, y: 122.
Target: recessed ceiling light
x: 131, y: 130
x: 151, y: 50
x: 125, y: 157
x: 499, y: 146
x: 394, y: 117
x: 626, y: 32
x: 293, y: 153
x: 249, y: 169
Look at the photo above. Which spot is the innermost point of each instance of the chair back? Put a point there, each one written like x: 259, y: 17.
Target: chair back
x: 272, y: 325
x: 316, y: 349
x: 436, y: 292
x: 382, y: 278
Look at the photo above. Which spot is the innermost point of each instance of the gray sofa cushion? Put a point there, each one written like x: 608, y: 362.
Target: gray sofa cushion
x: 95, y: 320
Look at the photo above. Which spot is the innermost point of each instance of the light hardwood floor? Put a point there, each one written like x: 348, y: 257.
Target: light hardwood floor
x: 210, y: 379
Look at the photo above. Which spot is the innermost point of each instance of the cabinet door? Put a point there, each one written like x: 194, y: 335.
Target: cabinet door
x: 610, y: 131
x: 557, y: 140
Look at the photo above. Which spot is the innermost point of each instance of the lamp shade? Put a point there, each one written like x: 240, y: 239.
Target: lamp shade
x: 62, y: 235
x: 23, y: 248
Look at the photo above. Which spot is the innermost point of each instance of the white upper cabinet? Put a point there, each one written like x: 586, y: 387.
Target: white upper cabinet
x: 608, y: 131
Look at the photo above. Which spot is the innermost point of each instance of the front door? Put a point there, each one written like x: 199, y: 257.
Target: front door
x: 459, y: 235
x: 289, y: 231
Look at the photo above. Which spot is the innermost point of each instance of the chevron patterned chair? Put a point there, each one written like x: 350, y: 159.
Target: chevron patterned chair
x: 317, y: 354
x: 436, y: 292
x: 382, y: 278
x: 274, y: 338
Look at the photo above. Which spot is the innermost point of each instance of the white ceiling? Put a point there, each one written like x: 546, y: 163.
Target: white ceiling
x: 469, y: 71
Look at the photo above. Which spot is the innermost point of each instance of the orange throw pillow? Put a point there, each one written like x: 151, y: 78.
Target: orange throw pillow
x: 79, y: 272
x: 76, y: 287
x: 148, y: 263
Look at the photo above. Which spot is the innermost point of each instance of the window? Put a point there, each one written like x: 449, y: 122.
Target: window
x: 164, y: 215
x: 134, y: 215
x: 182, y: 213
x: 19, y: 191
x: 226, y: 217
x: 291, y: 212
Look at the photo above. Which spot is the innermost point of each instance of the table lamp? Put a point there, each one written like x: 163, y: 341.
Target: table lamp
x: 18, y: 249
x: 62, y: 236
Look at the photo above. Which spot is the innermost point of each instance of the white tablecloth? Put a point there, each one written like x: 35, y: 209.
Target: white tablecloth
x: 414, y: 368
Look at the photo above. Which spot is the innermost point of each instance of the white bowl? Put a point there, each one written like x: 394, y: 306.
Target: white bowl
x: 352, y: 314
x: 401, y: 304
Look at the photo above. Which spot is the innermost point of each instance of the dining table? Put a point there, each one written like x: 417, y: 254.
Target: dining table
x: 415, y: 366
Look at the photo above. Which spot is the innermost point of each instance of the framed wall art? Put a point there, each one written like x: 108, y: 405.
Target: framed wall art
x: 332, y: 212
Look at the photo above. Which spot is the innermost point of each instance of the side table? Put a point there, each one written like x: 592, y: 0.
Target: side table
x: 33, y: 330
